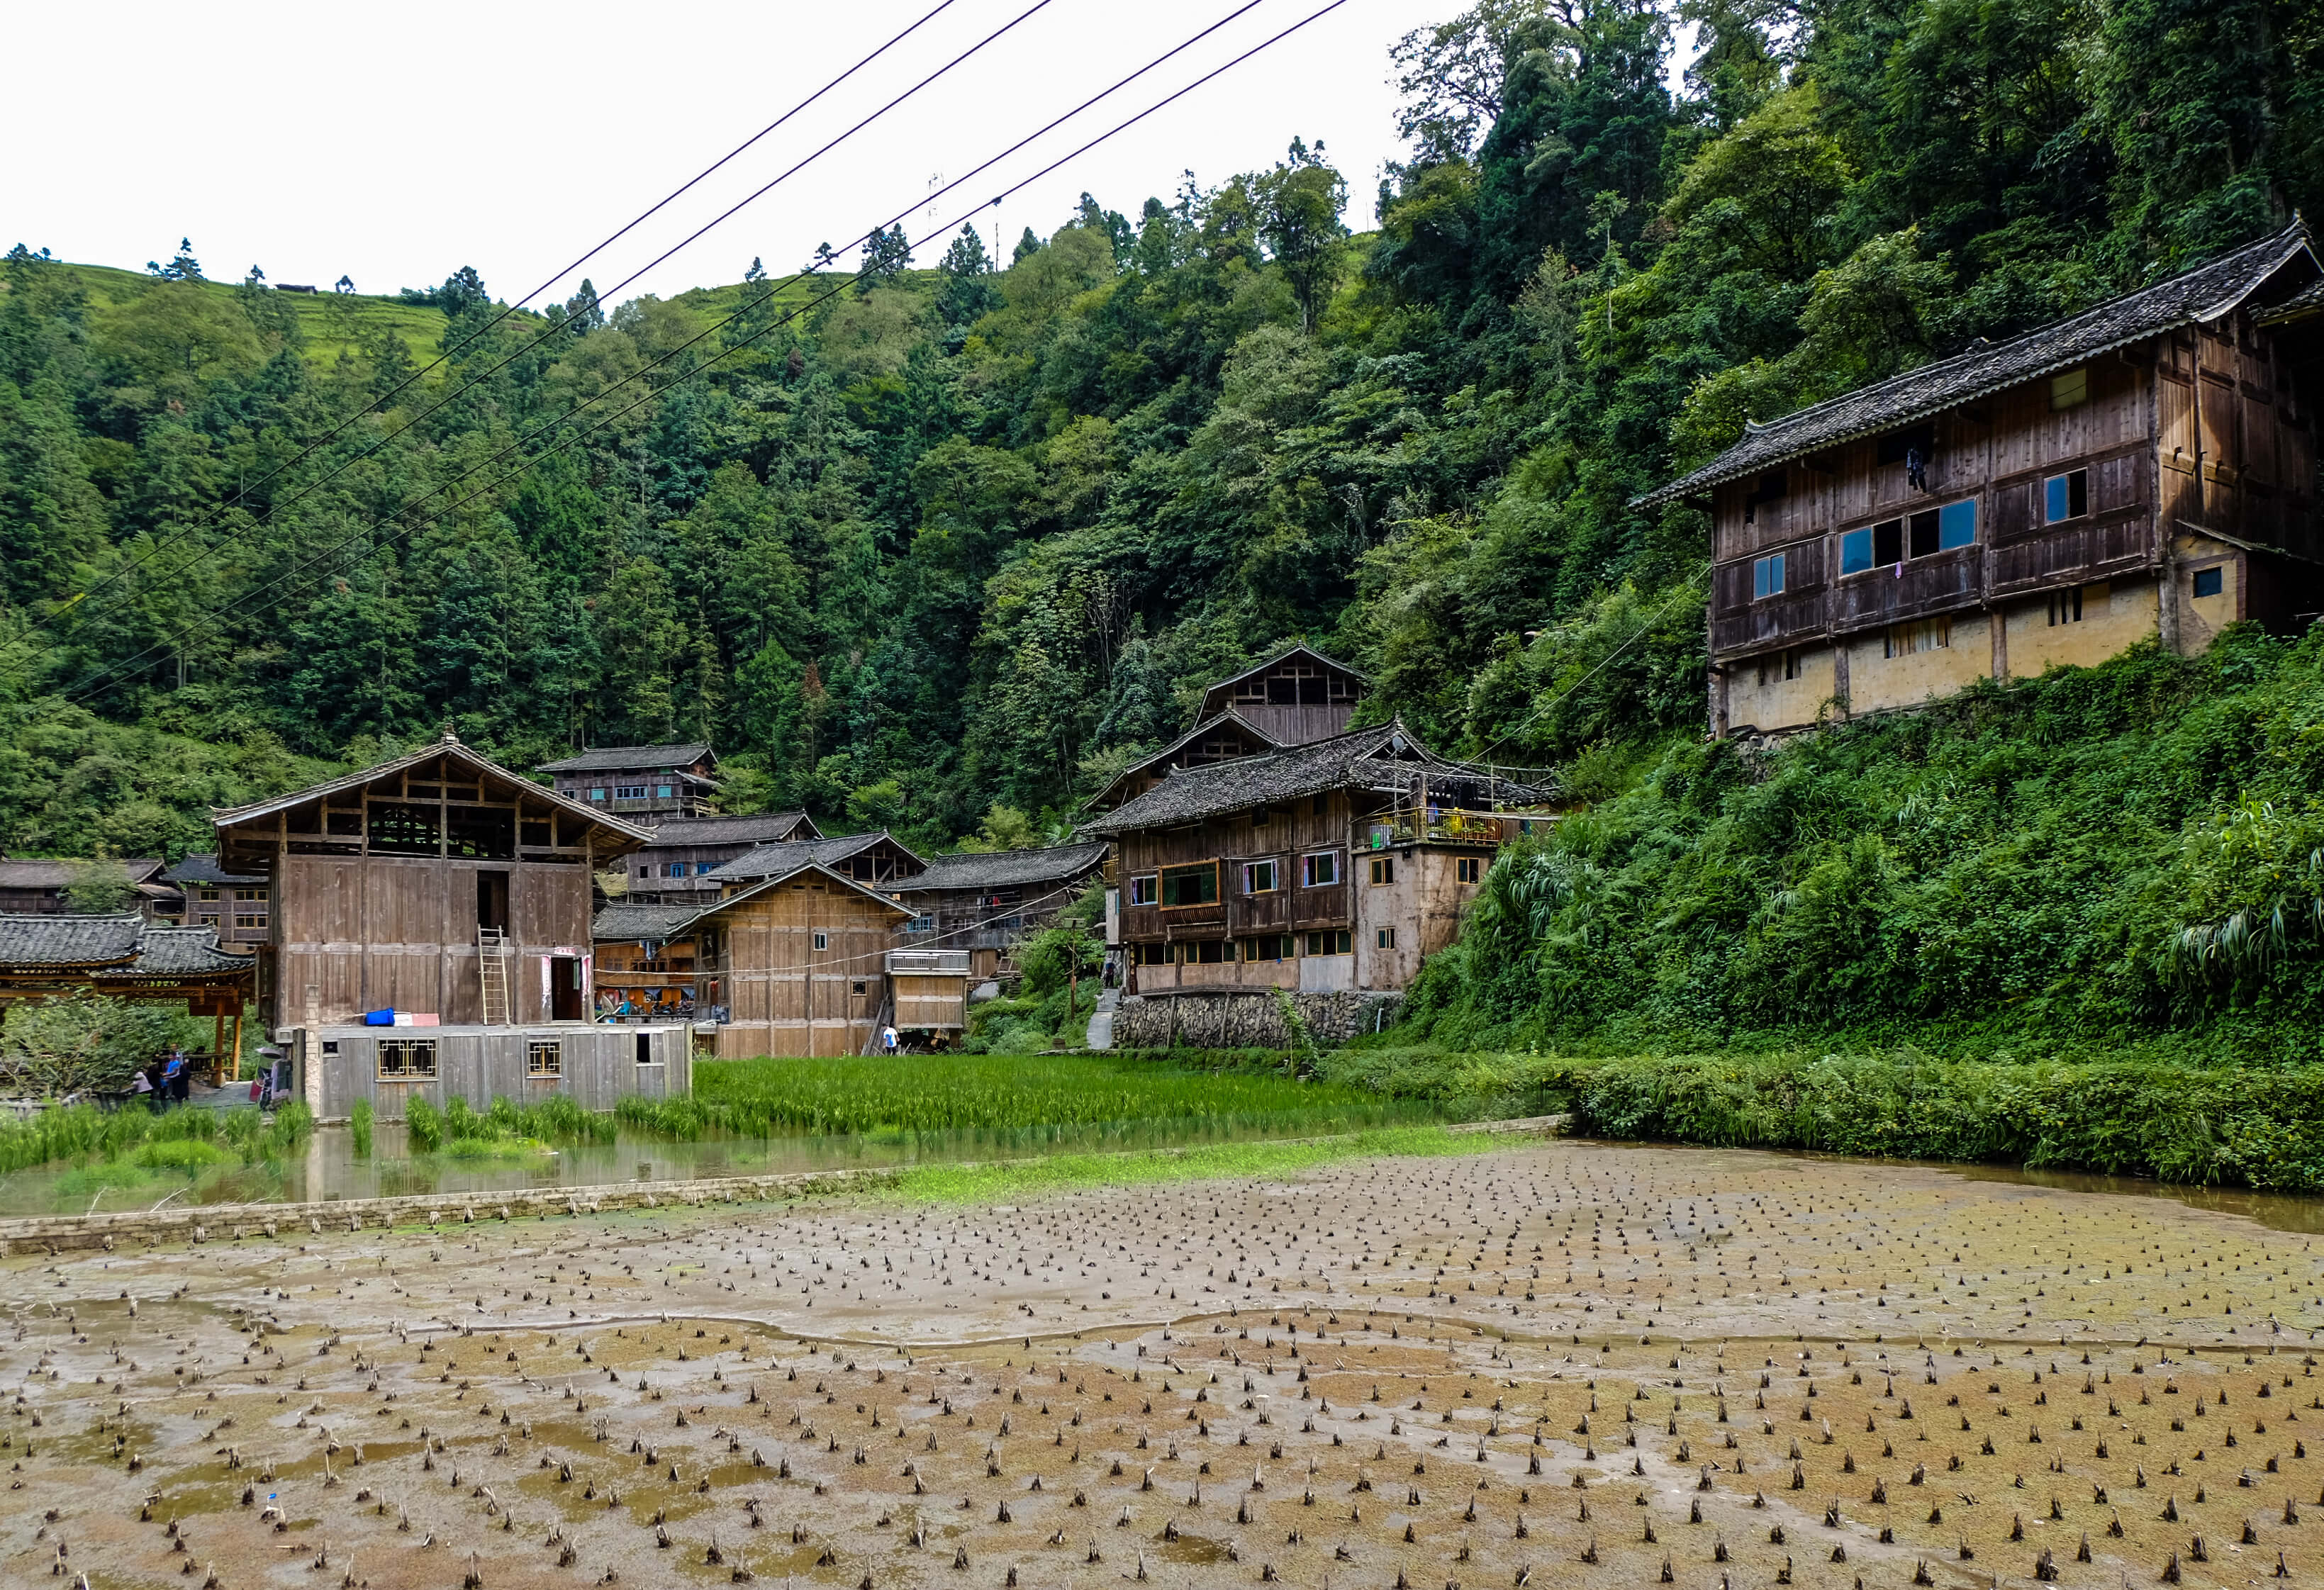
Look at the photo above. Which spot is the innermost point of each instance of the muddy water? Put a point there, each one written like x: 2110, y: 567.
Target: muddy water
x: 329, y: 1167
x: 1573, y: 1364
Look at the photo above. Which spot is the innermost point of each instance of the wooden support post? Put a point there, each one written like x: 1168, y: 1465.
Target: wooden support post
x: 217, y: 1046
x: 235, y: 1074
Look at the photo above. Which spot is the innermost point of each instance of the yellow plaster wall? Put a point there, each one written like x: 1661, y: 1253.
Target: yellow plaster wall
x: 2201, y: 618
x: 2115, y: 618
x: 1876, y: 682
x: 1780, y: 704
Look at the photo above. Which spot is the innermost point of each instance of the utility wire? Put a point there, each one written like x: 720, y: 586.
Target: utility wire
x: 708, y: 331
x: 243, y: 492
x: 774, y: 291
x: 1687, y: 591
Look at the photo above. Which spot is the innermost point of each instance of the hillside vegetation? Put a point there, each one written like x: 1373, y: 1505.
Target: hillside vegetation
x: 970, y: 535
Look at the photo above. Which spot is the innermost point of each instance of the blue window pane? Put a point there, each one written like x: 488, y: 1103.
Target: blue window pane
x: 2055, y: 488
x: 1775, y: 573
x: 1956, y: 525
x: 2209, y: 581
x: 1758, y: 579
x: 1856, y: 552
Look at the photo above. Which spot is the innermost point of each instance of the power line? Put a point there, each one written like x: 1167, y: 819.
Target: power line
x: 729, y: 319
x: 1686, y: 590
x: 243, y: 492
x: 772, y: 292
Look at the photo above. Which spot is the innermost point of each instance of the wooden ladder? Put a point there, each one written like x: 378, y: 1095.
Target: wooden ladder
x: 493, y: 969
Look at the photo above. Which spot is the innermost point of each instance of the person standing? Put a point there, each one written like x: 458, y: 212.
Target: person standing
x: 179, y: 1075
x: 888, y: 1039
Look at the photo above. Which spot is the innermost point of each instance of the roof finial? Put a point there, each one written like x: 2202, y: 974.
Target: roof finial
x: 451, y: 735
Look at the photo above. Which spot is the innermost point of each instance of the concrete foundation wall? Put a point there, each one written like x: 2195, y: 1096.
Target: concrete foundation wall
x: 1778, y: 702
x: 598, y: 1067
x: 1248, y: 1021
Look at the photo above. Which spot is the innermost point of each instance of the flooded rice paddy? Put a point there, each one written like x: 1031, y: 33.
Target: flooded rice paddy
x: 1566, y: 1364
x: 327, y: 1165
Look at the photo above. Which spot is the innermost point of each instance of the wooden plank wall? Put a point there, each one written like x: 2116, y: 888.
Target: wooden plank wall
x: 1292, y: 829
x: 377, y: 933
x: 600, y: 1067
x: 786, y: 997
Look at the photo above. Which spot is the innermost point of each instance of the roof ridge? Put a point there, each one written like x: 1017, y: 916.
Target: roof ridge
x: 2282, y: 243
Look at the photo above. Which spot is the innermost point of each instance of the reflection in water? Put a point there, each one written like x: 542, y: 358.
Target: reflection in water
x: 2278, y: 1211
x: 328, y: 1168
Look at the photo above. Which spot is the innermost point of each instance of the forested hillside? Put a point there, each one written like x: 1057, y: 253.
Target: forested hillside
x: 970, y: 532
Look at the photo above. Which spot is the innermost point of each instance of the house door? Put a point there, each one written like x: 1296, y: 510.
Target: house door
x: 492, y: 900
x: 565, y: 988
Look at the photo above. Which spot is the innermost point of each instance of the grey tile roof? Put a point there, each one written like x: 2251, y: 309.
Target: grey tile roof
x: 113, y: 947
x: 68, y: 941
x: 765, y: 828
x: 623, y: 923
x: 205, y: 869
x: 1387, y: 759
x: 1207, y: 724
x: 181, y: 951
x: 609, y: 758
x: 2202, y: 294
x: 1001, y: 869
x: 772, y: 861
x: 36, y: 874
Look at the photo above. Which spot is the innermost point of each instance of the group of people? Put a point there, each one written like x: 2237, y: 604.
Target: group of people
x: 166, y: 1079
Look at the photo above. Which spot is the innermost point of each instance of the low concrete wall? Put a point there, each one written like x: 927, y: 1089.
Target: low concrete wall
x: 1246, y: 1021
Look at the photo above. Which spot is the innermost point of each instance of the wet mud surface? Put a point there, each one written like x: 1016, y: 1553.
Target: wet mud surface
x: 1563, y: 1365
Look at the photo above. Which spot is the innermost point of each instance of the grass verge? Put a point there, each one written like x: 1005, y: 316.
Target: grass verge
x: 985, y: 1183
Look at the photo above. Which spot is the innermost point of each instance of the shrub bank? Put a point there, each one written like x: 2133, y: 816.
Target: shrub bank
x: 2227, y: 1125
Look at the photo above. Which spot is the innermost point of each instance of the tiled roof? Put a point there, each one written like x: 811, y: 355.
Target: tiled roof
x: 205, y: 869
x: 1209, y: 724
x: 181, y: 951
x: 68, y: 941
x: 997, y: 869
x: 30, y: 874
x: 611, y: 758
x: 772, y: 860
x: 684, y: 919
x: 1387, y: 759
x: 766, y: 827
x: 113, y: 946
x: 620, y: 923
x: 2202, y: 294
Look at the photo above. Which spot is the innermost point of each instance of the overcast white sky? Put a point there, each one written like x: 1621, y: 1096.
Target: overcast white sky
x: 394, y: 147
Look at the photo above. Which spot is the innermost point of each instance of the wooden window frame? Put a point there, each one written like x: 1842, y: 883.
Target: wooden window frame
x: 544, y: 1058
x: 1384, y: 938
x: 410, y: 1054
x: 1274, y: 865
x: 1467, y: 869
x: 1383, y: 871
x: 1307, y: 870
x: 1153, y: 889
x: 1162, y: 880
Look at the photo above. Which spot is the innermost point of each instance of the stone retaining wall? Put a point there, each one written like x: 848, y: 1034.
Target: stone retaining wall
x: 1246, y: 1021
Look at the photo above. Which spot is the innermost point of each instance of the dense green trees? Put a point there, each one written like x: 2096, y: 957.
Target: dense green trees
x: 971, y: 533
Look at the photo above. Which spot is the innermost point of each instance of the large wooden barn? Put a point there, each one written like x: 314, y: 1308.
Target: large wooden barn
x: 2145, y: 470
x: 795, y: 963
x: 451, y: 897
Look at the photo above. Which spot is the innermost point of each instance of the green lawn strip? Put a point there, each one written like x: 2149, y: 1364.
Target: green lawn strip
x: 1212, y: 1161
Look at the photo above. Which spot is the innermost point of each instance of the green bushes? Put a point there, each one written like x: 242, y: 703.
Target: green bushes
x: 2129, y: 856
x: 952, y: 1093
x: 423, y: 1125
x: 2176, y: 1123
x: 359, y: 1127
x: 505, y: 1128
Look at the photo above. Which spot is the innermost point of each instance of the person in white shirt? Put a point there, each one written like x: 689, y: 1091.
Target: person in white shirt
x: 888, y: 1039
